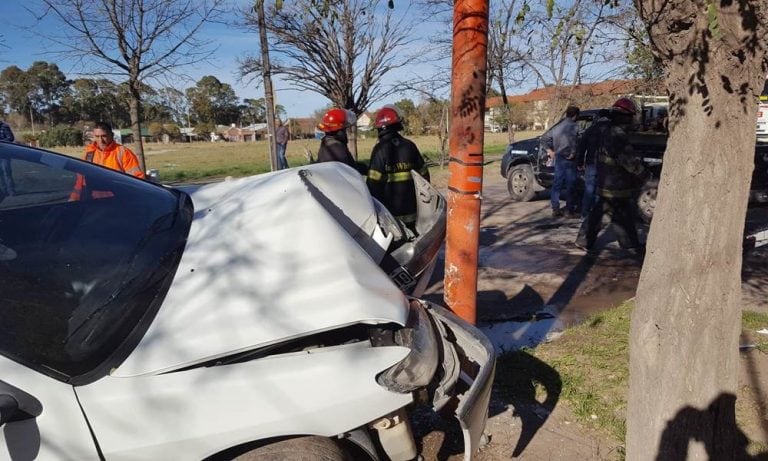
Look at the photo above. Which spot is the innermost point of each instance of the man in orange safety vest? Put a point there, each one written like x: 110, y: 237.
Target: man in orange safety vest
x: 106, y: 152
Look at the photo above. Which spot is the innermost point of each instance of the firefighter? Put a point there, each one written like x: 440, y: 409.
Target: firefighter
x: 389, y: 173
x: 619, y: 176
x: 333, y: 146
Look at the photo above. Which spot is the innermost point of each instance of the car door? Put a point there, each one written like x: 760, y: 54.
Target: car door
x: 48, y: 424
x: 81, y: 276
x: 545, y: 170
x: 44, y: 419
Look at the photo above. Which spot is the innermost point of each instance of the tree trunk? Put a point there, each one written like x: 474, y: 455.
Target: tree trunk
x: 686, y: 323
x: 269, y: 95
x: 138, y: 142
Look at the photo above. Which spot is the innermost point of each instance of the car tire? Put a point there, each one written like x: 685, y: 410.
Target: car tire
x: 520, y: 183
x: 298, y: 449
x: 646, y: 201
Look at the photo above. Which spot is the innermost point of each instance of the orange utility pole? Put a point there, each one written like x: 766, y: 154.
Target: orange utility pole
x: 470, y: 44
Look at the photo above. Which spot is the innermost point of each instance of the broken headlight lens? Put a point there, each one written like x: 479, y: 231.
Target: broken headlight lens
x: 417, y: 369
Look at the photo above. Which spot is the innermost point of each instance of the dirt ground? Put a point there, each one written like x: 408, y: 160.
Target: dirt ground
x: 533, y: 283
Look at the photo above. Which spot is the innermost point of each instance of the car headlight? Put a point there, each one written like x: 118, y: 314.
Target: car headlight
x: 417, y: 369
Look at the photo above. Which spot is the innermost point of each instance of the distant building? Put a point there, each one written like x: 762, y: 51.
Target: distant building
x: 365, y: 121
x: 188, y: 134
x: 125, y: 135
x: 249, y: 133
x: 301, y: 127
x: 537, y: 101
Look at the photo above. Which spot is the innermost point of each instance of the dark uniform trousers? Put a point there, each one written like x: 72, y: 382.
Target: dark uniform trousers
x: 621, y: 212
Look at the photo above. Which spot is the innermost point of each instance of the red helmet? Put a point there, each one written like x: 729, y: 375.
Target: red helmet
x: 386, y: 116
x: 624, y: 106
x: 336, y: 119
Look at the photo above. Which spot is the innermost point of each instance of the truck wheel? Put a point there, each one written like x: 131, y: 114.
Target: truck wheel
x: 646, y: 201
x: 298, y: 449
x: 520, y: 183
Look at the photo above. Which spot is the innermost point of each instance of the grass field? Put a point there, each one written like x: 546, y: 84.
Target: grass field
x: 591, y: 363
x: 204, y: 160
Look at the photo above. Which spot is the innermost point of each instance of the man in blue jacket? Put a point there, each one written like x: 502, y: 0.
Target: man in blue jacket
x: 561, y: 145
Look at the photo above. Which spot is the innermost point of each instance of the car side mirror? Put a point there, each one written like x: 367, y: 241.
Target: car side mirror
x: 9, y: 407
x: 17, y: 405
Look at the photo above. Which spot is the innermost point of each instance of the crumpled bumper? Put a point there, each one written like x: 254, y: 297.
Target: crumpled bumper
x: 468, y: 368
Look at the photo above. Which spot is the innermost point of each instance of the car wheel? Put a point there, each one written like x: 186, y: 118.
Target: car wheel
x: 646, y: 201
x: 520, y: 183
x: 298, y: 449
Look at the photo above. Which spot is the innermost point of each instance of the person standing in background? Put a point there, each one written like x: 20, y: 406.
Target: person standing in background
x: 282, y: 135
x: 561, y: 145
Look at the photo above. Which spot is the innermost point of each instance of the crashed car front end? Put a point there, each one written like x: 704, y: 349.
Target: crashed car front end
x: 218, y: 322
x: 450, y: 363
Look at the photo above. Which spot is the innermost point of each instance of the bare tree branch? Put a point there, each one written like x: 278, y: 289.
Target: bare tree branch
x: 139, y: 40
x: 341, y: 50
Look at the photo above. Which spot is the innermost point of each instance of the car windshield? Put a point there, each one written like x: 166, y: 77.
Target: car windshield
x: 86, y: 256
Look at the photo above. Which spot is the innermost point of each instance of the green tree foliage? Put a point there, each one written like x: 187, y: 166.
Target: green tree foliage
x: 176, y: 103
x: 253, y: 111
x: 156, y: 130
x: 49, y: 85
x: 204, y: 130
x: 61, y: 135
x: 212, y: 101
x: 95, y: 100
x: 17, y: 90
x: 518, y: 115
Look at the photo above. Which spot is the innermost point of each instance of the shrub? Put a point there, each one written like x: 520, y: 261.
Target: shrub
x: 61, y: 135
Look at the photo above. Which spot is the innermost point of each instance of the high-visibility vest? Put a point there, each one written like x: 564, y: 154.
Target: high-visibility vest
x: 114, y: 156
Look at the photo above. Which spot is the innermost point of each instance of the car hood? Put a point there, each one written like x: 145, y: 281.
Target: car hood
x: 270, y: 258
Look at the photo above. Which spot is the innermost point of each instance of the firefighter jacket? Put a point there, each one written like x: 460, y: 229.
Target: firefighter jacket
x: 114, y: 156
x: 620, y: 173
x: 389, y: 174
x: 590, y: 141
x: 333, y: 148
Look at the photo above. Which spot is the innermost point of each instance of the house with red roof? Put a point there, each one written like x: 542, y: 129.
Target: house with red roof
x: 544, y: 106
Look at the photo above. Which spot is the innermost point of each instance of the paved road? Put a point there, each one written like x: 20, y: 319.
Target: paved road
x: 529, y: 269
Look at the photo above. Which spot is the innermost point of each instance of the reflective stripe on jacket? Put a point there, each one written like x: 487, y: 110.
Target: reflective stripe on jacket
x: 389, y: 174
x: 114, y: 156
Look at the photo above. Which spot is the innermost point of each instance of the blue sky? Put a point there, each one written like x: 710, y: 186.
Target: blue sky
x: 23, y: 48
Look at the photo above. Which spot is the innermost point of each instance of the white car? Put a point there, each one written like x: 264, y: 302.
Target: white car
x: 246, y: 318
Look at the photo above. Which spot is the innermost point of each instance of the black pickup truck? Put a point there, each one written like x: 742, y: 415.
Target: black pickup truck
x: 524, y: 164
